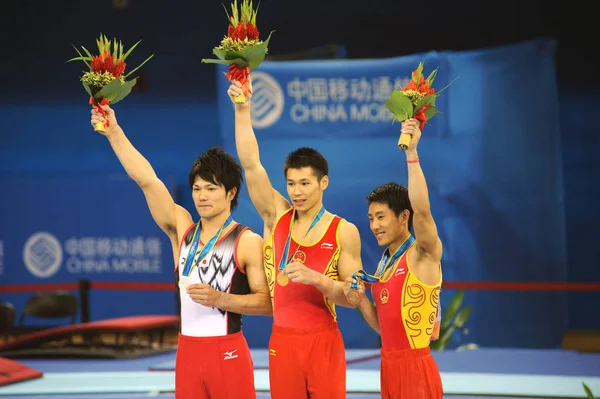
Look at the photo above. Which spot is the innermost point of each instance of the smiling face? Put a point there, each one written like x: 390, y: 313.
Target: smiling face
x: 390, y: 213
x: 304, y: 188
x: 386, y: 225
x: 211, y: 199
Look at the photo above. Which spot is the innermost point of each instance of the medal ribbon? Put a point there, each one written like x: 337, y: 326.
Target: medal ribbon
x: 189, y: 262
x: 284, y: 257
x: 384, y: 264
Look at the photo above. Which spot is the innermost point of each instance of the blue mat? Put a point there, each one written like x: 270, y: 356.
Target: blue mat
x: 260, y: 357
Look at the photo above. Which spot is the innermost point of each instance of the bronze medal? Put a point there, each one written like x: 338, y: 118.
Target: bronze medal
x: 353, y: 297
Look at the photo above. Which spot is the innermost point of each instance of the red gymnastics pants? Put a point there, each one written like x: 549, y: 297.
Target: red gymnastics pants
x: 307, y: 363
x: 410, y: 374
x: 214, y: 368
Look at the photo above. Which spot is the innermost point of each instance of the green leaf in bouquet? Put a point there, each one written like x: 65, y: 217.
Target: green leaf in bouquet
x: 110, y: 91
x: 418, y: 73
x: 87, y: 88
x: 230, y: 56
x: 237, y: 61
x: 400, y: 106
x: 462, y: 317
x: 78, y: 59
x: 226, y: 12
x: 250, y: 56
x: 234, y: 55
x: 87, y: 52
x: 431, y: 112
x: 429, y: 100
x: 138, y: 67
x: 81, y: 57
x: 445, y: 87
x: 432, y: 76
x: 452, y: 308
x: 221, y: 54
x: 226, y: 58
x: 124, y: 91
x: 255, y: 55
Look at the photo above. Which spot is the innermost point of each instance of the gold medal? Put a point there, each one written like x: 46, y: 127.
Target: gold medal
x: 283, y: 279
x: 353, y: 297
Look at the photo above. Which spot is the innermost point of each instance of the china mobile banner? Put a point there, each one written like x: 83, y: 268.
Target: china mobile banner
x: 312, y: 98
x: 61, y: 230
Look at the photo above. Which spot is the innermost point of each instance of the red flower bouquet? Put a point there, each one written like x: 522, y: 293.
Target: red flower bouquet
x: 105, y: 81
x: 415, y: 100
x: 242, y: 48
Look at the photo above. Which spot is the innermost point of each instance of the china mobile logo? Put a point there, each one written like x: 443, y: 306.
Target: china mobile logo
x: 42, y: 255
x: 267, y: 100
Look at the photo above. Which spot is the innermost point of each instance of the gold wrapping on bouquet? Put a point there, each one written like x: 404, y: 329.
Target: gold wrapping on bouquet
x: 99, y: 127
x: 404, y: 141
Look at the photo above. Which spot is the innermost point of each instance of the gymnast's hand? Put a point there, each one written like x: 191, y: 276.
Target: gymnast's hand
x: 235, y: 89
x: 112, y: 126
x: 204, y: 294
x: 360, y: 289
x: 411, y: 127
x: 299, y: 273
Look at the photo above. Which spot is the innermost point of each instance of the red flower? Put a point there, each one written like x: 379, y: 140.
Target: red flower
x: 410, y: 86
x: 252, y: 31
x: 421, y: 117
x: 105, y: 63
x: 242, y: 22
x: 239, y: 33
x: 424, y: 88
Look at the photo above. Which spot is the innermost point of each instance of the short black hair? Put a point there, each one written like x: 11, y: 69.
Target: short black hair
x: 395, y: 196
x: 219, y: 168
x: 305, y: 156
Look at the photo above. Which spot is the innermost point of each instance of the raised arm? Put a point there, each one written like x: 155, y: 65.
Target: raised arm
x: 428, y: 242
x: 165, y: 212
x: 267, y: 201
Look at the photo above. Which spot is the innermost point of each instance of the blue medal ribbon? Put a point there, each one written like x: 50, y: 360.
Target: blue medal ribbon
x: 284, y: 257
x: 384, y: 264
x: 189, y: 262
